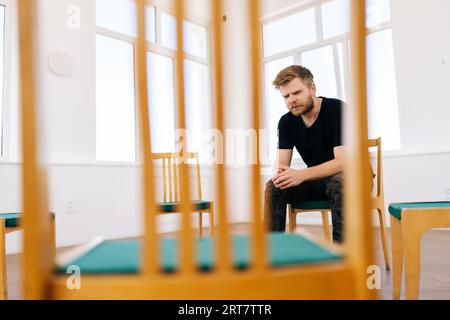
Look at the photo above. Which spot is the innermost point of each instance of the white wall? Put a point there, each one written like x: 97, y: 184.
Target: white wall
x: 422, y: 51
x: 69, y: 101
x: 106, y: 201
x: 107, y: 198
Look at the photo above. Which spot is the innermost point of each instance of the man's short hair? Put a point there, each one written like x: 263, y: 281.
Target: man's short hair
x: 295, y: 71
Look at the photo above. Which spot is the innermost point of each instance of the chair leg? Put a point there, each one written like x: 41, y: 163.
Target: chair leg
x: 397, y: 256
x: 411, y: 244
x: 326, y: 226
x: 200, y: 224
x: 211, y: 220
x: 384, y: 241
x: 292, y: 218
x: 3, y: 280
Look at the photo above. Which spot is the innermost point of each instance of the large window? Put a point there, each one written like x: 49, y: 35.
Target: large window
x: 321, y: 42
x: 197, y: 100
x: 120, y: 16
x: 116, y: 112
x: 276, y: 39
x: 162, y: 105
x: 115, y: 117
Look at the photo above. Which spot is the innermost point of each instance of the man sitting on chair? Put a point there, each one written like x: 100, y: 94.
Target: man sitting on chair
x: 313, y: 127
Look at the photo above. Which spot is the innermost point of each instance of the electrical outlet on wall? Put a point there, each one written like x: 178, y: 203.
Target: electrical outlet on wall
x: 447, y: 192
x: 70, y: 207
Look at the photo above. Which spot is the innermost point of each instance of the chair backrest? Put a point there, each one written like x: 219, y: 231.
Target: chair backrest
x: 170, y: 168
x: 376, y: 143
x: 188, y: 281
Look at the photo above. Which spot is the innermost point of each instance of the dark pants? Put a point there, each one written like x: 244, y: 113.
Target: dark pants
x: 329, y: 188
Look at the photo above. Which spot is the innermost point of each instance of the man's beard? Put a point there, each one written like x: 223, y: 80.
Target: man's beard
x: 305, y: 111
x: 308, y: 108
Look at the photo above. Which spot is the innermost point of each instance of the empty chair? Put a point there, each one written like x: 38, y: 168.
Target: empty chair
x: 409, y: 222
x: 251, y: 266
x: 9, y: 223
x: 171, y: 182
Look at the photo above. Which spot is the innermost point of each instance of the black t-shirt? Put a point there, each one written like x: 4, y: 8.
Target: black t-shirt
x: 316, y: 143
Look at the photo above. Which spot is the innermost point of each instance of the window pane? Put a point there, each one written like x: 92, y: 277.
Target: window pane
x: 274, y: 103
x: 382, y: 90
x: 150, y: 22
x: 195, y: 37
x: 117, y: 15
x: 2, y: 70
x: 120, y: 16
x: 377, y: 11
x: 321, y: 63
x: 115, y: 106
x: 301, y: 28
x: 198, y: 105
x: 161, y: 102
x: 335, y: 18
x: 168, y: 30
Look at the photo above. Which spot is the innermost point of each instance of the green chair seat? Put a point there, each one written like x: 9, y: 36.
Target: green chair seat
x: 175, y: 206
x: 396, y: 209
x: 12, y: 220
x: 311, y: 205
x: 122, y: 256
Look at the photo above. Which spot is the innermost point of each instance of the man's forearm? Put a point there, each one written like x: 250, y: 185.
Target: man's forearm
x: 324, y: 170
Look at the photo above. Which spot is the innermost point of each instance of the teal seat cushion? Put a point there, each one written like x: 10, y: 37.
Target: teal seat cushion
x: 12, y: 220
x: 122, y: 256
x: 396, y: 209
x: 175, y: 206
x: 311, y: 205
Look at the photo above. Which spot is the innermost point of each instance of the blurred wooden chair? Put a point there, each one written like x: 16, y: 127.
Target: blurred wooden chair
x: 249, y: 266
x: 325, y: 208
x: 409, y: 222
x: 9, y: 223
x: 171, y: 188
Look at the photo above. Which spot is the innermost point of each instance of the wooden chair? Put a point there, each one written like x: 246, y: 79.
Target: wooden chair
x: 152, y: 268
x: 9, y: 223
x: 409, y: 222
x: 324, y: 206
x: 171, y: 198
